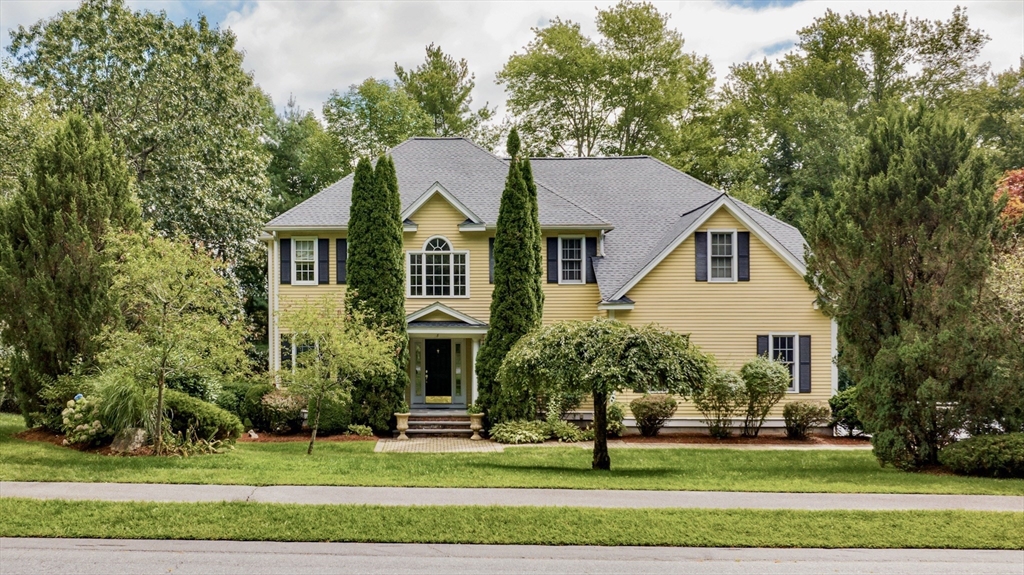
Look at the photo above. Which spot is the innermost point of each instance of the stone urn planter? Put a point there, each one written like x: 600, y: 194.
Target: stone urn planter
x: 476, y: 423
x: 402, y: 424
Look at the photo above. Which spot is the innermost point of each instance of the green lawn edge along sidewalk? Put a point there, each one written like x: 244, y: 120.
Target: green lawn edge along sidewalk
x: 512, y: 525
x: 355, y: 464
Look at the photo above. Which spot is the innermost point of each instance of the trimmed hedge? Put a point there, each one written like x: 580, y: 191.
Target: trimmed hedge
x: 651, y: 411
x: 802, y: 415
x: 206, y: 420
x: 232, y: 396
x: 986, y: 455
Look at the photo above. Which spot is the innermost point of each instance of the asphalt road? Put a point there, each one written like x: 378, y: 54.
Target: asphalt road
x: 335, y: 495
x: 114, y: 557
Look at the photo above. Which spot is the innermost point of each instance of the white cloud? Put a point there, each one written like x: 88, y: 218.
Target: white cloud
x: 308, y: 48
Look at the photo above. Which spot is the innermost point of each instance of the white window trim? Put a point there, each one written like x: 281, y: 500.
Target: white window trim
x: 795, y: 387
x: 735, y: 257
x: 583, y: 260
x: 451, y: 270
x: 316, y: 262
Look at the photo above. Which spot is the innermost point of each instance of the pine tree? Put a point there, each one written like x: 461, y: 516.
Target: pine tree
x: 514, y: 307
x: 54, y: 283
x: 900, y: 256
x: 376, y: 280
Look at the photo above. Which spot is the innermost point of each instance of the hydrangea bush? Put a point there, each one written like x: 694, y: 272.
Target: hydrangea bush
x: 81, y: 421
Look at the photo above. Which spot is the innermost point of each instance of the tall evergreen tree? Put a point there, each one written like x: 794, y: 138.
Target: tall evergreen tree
x: 514, y: 307
x: 376, y: 280
x: 53, y: 282
x: 538, y: 261
x: 901, y: 254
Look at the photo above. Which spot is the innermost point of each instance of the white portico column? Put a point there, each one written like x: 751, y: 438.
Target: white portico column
x: 476, y: 348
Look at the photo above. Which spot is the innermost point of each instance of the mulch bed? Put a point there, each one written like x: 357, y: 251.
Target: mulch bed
x: 690, y: 438
x: 41, y: 435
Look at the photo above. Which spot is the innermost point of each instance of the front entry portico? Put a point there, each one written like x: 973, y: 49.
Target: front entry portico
x: 442, y: 356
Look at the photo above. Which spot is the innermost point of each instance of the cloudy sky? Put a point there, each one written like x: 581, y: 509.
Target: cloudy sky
x: 309, y: 47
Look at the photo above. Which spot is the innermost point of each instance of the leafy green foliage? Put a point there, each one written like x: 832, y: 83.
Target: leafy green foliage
x: 602, y: 357
x: 126, y: 403
x: 901, y: 255
x: 24, y: 124
x: 175, y: 99
x: 986, y: 455
x: 615, y: 416
x: 442, y: 87
x: 360, y: 430
x: 81, y: 422
x: 844, y: 411
x: 373, y: 117
x: 343, y: 347
x: 284, y: 410
x: 335, y: 416
x: 515, y: 309
x: 519, y: 431
x: 206, y: 421
x: 54, y: 278
x: 651, y: 411
x: 803, y: 415
x: 376, y: 285
x: 253, y: 408
x: 182, y: 318
x: 54, y: 396
x: 722, y: 397
x: 764, y: 384
x: 232, y: 397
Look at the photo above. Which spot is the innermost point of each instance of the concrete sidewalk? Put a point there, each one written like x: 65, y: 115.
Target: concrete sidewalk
x: 608, y: 498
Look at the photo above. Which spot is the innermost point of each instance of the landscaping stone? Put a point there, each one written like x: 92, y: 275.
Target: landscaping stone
x: 253, y: 434
x: 129, y: 440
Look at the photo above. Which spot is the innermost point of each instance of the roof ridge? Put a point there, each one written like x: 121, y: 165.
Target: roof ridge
x: 638, y: 157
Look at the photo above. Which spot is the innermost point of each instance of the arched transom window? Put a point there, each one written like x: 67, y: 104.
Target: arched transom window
x: 438, y: 271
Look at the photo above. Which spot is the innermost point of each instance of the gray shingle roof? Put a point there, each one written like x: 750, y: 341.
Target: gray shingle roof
x: 645, y: 203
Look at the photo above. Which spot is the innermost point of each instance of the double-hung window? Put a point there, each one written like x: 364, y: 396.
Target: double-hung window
x: 570, y: 260
x: 304, y: 261
x: 722, y: 256
x: 785, y: 351
x: 438, y: 271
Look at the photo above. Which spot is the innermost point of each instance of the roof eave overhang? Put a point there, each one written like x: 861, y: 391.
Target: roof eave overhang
x: 447, y: 330
x: 303, y: 228
x: 615, y: 306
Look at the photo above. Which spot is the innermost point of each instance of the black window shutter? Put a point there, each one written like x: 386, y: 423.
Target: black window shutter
x: 591, y: 253
x: 286, y: 352
x: 323, y: 255
x: 552, y: 260
x: 286, y: 260
x: 762, y: 345
x: 490, y: 257
x: 805, y: 364
x: 743, y: 251
x: 701, y: 248
x: 341, y: 246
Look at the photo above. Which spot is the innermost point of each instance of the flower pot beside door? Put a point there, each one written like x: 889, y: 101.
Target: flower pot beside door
x: 402, y: 424
x: 476, y: 423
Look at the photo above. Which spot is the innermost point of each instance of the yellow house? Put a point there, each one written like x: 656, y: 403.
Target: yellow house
x: 625, y: 237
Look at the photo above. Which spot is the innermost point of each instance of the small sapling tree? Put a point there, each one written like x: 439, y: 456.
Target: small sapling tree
x: 602, y: 357
x: 336, y: 349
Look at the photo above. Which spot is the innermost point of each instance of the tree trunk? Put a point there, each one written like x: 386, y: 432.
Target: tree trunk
x: 158, y: 441
x: 601, y: 459
x: 315, y: 426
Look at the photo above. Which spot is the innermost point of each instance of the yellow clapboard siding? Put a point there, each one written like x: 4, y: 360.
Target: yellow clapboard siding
x: 724, y: 319
x: 290, y: 295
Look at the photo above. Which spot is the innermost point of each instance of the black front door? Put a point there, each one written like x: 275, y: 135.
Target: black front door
x: 438, y: 365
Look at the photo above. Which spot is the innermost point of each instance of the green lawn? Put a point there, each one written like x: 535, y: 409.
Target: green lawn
x: 513, y: 525
x: 569, y: 467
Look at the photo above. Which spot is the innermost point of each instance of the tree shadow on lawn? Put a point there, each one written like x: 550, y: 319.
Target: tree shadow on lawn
x: 582, y: 470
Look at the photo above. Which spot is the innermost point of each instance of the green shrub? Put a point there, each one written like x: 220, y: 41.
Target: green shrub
x: 253, y: 409
x: 802, y: 415
x: 615, y: 416
x: 360, y: 430
x: 80, y: 422
x: 721, y: 398
x: 193, y: 417
x: 651, y: 412
x: 765, y: 383
x: 844, y: 411
x: 284, y: 410
x: 232, y: 397
x: 126, y: 403
x: 520, y: 431
x: 986, y: 455
x: 198, y: 386
x: 335, y: 416
x: 563, y: 431
x: 55, y: 395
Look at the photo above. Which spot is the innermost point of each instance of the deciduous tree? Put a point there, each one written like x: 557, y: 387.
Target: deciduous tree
x: 373, y: 117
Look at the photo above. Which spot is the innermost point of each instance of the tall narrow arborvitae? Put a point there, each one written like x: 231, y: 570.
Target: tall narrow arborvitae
x: 514, y: 307
x: 538, y: 261
x: 54, y: 281
x: 376, y: 280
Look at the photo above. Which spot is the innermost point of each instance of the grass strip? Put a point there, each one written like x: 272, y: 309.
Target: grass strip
x: 569, y: 468
x: 512, y: 525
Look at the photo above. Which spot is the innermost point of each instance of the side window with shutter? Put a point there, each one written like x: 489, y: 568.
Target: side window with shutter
x: 805, y: 364
x: 552, y: 260
x: 341, y: 257
x: 323, y: 252
x: 762, y: 345
x: 700, y: 241
x: 286, y: 260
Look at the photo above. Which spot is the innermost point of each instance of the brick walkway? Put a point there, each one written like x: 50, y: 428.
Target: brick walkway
x: 437, y: 445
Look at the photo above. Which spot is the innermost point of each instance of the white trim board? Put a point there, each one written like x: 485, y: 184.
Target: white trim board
x: 737, y: 212
x: 437, y: 188
x: 438, y: 306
